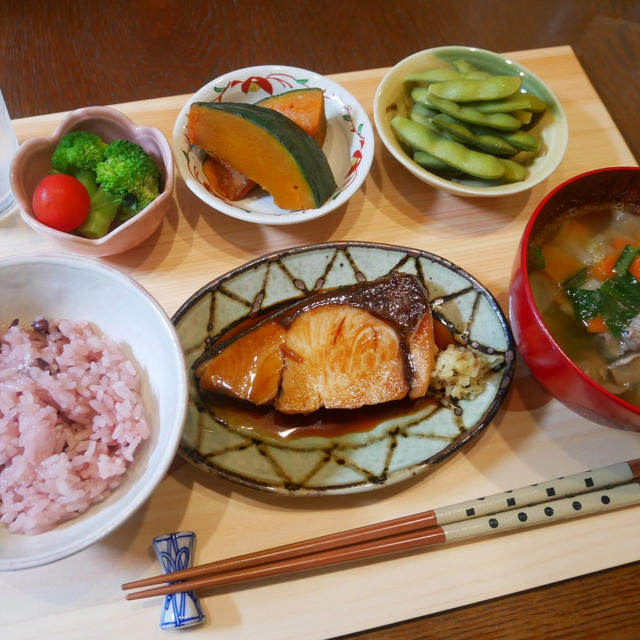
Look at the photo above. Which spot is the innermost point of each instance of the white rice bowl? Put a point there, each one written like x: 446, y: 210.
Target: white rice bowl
x: 74, y: 288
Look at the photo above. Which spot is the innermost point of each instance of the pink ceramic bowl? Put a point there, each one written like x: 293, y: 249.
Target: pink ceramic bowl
x: 542, y: 354
x: 33, y: 162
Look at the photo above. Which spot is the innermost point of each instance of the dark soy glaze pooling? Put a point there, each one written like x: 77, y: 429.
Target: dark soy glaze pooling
x: 325, y: 423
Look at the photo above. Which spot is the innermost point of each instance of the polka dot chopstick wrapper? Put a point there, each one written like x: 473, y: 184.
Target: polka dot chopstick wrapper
x: 539, y: 494
x: 599, y: 493
x: 581, y: 494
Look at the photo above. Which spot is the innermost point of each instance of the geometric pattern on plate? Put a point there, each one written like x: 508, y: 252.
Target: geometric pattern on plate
x: 393, y: 447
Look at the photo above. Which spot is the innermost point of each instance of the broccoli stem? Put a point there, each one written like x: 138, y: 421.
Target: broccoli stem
x: 103, y: 211
x: 88, y: 179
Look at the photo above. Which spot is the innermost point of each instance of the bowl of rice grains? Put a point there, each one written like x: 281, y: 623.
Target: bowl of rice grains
x: 92, y: 403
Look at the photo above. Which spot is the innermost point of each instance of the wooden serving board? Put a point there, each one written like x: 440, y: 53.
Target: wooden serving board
x: 533, y: 438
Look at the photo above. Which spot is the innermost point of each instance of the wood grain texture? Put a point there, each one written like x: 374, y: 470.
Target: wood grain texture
x: 60, y: 55
x: 69, y: 53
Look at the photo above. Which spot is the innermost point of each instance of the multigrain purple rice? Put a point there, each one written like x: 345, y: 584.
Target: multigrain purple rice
x: 71, y: 419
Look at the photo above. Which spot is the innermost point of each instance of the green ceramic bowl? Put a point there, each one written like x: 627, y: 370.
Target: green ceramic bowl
x: 389, y: 445
x: 551, y: 128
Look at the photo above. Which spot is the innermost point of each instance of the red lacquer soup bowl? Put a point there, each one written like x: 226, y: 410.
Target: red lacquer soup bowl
x: 549, y: 364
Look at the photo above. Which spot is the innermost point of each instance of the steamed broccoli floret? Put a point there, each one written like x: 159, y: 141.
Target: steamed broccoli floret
x: 78, y: 154
x: 128, y: 172
x: 78, y: 151
x: 121, y: 178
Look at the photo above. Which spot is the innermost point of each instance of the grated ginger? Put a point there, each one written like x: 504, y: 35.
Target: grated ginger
x: 459, y: 372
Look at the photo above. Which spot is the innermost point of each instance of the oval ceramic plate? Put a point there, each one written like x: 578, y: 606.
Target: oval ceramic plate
x: 393, y: 447
x: 552, y: 128
x: 349, y: 142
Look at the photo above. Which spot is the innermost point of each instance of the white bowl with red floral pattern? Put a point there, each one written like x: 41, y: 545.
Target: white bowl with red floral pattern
x: 349, y: 143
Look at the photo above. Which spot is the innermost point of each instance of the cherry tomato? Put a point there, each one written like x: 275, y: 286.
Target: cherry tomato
x: 61, y: 202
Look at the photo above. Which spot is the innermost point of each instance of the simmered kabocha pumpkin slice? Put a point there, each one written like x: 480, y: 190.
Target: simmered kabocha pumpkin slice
x: 267, y: 147
x: 305, y: 107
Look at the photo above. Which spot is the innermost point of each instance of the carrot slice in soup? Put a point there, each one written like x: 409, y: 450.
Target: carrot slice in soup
x: 597, y: 325
x: 621, y: 242
x: 603, y: 270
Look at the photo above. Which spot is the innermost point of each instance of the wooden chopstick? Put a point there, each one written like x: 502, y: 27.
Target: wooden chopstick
x: 544, y: 513
x: 398, y: 534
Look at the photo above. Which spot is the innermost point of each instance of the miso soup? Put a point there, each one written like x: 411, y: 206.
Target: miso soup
x: 585, y: 276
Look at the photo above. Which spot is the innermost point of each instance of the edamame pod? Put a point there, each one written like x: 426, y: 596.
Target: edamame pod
x: 421, y: 138
x: 431, y: 163
x: 467, y: 121
x: 417, y: 114
x: 477, y: 75
x: 514, y: 171
x: 423, y: 110
x: 524, y: 116
x: 424, y: 120
x: 439, y: 74
x: 471, y: 89
x: 501, y: 121
x: 484, y: 142
x: 536, y: 104
x: 463, y: 66
x: 522, y: 140
x: 516, y: 102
